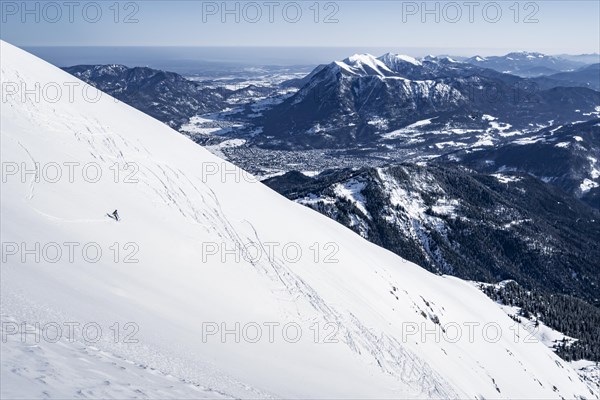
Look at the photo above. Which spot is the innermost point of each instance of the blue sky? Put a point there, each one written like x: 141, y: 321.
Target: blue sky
x: 548, y: 26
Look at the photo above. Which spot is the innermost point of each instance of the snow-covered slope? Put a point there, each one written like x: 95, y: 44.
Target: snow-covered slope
x: 365, y: 301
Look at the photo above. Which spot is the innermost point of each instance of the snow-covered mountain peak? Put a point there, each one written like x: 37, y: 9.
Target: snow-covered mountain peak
x: 365, y: 64
x: 394, y: 61
x: 207, y: 257
x: 357, y: 59
x: 526, y: 55
x: 439, y: 59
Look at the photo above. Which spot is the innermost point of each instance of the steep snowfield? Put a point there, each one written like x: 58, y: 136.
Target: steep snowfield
x: 184, y: 199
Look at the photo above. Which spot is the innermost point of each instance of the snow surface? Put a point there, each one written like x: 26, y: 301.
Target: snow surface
x: 420, y: 123
x: 590, y: 372
x: 588, y: 185
x: 170, y: 212
x: 502, y: 178
x: 411, y: 128
x: 351, y: 191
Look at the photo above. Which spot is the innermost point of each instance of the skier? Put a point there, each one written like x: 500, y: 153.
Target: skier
x: 115, y: 215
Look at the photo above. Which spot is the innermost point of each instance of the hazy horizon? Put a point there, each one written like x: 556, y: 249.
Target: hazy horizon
x: 186, y: 57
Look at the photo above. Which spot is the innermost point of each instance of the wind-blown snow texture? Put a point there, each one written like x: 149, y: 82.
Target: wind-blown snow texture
x: 369, y: 294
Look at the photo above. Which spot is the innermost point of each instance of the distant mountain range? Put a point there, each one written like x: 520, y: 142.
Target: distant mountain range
x: 363, y: 99
x: 588, y: 76
x: 528, y: 64
x: 366, y: 101
x: 434, y: 106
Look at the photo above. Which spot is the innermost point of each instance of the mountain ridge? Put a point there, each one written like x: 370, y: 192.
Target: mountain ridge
x: 339, y: 105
